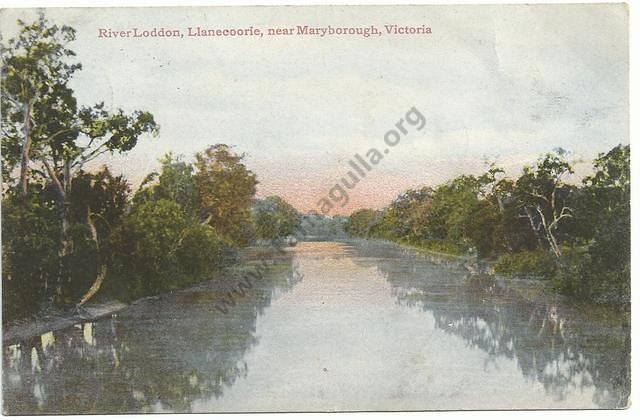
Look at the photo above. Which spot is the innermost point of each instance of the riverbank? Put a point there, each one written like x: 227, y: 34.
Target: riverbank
x: 529, y: 287
x: 480, y: 274
x: 54, y: 319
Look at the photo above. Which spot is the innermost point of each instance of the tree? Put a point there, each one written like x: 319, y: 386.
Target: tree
x: 543, y: 197
x: 175, y: 182
x: 98, y: 203
x: 605, y: 206
x: 159, y: 247
x: 44, y: 130
x: 361, y: 221
x: 274, y: 218
x: 37, y: 104
x: 606, y: 192
x: 225, y: 189
x: 407, y: 215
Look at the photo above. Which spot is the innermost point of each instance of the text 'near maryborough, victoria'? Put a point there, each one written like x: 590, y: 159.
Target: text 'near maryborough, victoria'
x: 251, y: 31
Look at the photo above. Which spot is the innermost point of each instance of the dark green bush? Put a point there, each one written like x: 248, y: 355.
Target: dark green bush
x: 537, y: 262
x: 30, y: 235
x: 157, y: 248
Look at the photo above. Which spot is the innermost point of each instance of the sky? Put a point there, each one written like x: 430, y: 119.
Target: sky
x: 494, y: 83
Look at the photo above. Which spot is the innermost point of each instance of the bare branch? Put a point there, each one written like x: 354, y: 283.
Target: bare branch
x: 55, y: 178
x: 537, y: 195
x: 84, y: 158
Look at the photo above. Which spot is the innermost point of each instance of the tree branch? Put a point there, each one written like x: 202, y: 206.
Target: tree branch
x: 55, y: 178
x: 82, y: 158
x: 534, y: 194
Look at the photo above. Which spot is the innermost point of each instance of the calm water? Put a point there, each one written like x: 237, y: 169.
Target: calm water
x: 332, y: 326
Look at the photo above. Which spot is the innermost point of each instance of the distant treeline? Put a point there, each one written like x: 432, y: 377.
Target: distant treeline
x: 575, y: 235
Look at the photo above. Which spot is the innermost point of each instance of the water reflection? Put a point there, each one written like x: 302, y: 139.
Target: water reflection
x: 371, y: 326
x: 157, y: 355
x: 565, y: 348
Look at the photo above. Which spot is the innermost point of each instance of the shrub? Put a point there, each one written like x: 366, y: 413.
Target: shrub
x: 582, y: 275
x: 30, y: 235
x: 570, y: 278
x: 537, y: 263
x: 158, y: 247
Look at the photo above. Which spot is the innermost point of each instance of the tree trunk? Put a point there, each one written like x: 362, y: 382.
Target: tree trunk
x: 548, y: 233
x: 536, y: 231
x: 554, y: 244
x: 26, y: 150
x: 66, y: 248
x: 102, y: 272
x: 66, y: 243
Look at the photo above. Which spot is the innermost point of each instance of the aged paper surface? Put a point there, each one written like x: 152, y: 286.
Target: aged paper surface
x: 323, y: 208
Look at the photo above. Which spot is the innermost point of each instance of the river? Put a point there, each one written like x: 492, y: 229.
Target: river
x: 330, y: 326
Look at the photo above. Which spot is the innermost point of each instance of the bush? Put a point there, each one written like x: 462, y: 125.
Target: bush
x: 570, y: 278
x: 441, y: 246
x: 537, y: 263
x: 274, y: 218
x: 202, y: 252
x: 157, y: 248
x: 30, y: 235
x: 582, y: 275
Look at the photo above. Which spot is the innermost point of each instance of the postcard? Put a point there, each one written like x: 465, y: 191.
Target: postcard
x: 315, y: 208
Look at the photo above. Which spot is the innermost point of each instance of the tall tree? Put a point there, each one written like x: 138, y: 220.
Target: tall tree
x: 37, y: 104
x: 174, y: 182
x: 605, y: 207
x: 543, y: 196
x: 274, y: 218
x: 98, y: 203
x: 361, y: 221
x: 45, y: 133
x: 225, y: 190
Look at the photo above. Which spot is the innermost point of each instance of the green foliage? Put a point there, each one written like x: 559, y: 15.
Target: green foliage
x: 62, y: 226
x: 603, y: 225
x: 47, y: 138
x: 318, y: 226
x: 453, y: 218
x: 571, y: 276
x: 36, y: 69
x: 361, y: 222
x: 575, y: 236
x: 483, y: 228
x: 175, y: 183
x: 537, y: 262
x: 30, y: 232
x: 440, y: 246
x: 274, y: 218
x: 158, y: 247
x: 31, y: 235
x: 99, y: 196
x: 81, y: 264
x: 545, y: 198
x: 225, y: 189
x: 42, y: 122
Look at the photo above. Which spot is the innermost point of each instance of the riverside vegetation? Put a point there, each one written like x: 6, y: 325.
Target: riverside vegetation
x: 70, y: 235
x: 576, y: 236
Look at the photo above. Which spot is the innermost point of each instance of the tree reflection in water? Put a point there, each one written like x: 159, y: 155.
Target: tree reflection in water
x: 158, y: 355
x: 562, y: 346
x: 164, y: 354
